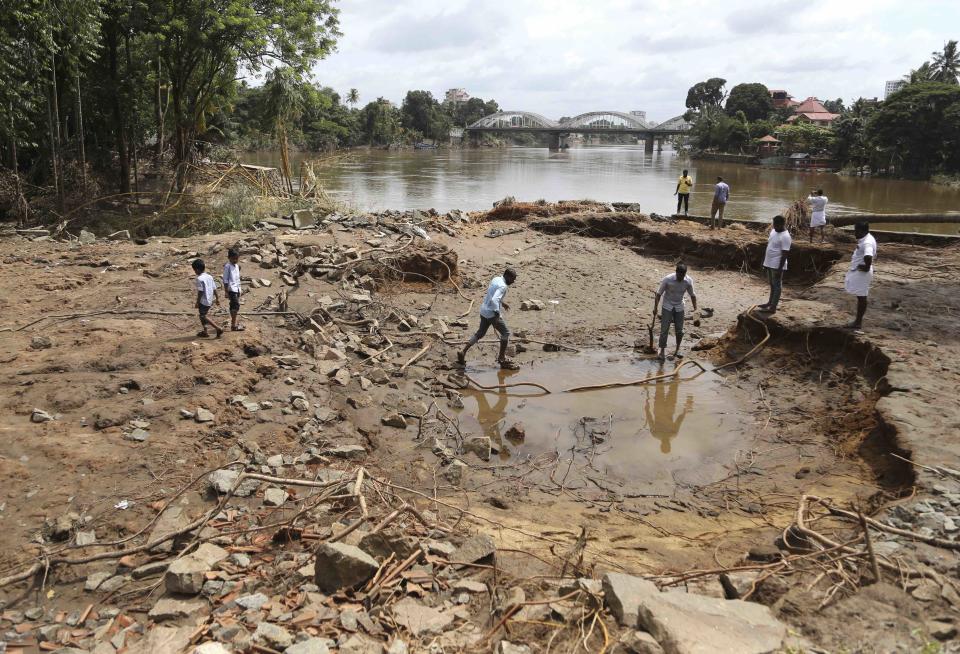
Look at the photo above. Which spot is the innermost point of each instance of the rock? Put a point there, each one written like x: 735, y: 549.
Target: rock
x: 275, y: 461
x: 684, y: 623
x: 394, y: 420
x: 453, y: 473
x: 420, y: 619
x: 40, y: 415
x: 479, y: 445
x: 398, y: 647
x: 115, y: 582
x: 303, y: 218
x: 210, y: 648
x: 161, y: 640
x: 203, y: 415
x: 349, y: 452
x: 40, y: 343
x: 474, y: 549
x: 309, y: 646
x: 338, y: 566
x: 379, y: 376
x: 221, y: 481
x: 359, y: 401
x: 383, y: 543
x: 94, y: 579
x: 468, y: 586
x: 86, y: 538
x: 766, y: 552
x: 927, y: 591
x: 941, y: 629
x: 169, y: 608
x: 360, y: 644
x: 272, y: 635
x: 149, y: 569
x: 138, y: 435
x: 186, y: 414
x: 639, y: 642
x: 87, y: 238
x: 506, y: 647
x: 300, y: 404
x: 274, y: 497
x: 516, y: 433
x: 254, y: 602
x: 531, y: 305
x: 186, y: 576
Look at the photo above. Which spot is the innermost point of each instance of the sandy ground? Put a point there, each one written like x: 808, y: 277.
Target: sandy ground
x: 822, y: 415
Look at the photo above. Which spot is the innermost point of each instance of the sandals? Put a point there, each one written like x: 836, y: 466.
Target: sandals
x: 203, y: 334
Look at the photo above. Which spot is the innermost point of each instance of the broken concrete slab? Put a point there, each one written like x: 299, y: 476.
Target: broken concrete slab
x: 186, y: 575
x: 482, y: 446
x: 274, y: 497
x: 272, y: 635
x: 171, y: 521
x: 348, y: 452
x: 338, y: 566
x: 309, y: 646
x: 684, y: 623
x: 169, y: 608
x: 203, y: 415
x: 383, y: 543
x: 474, y: 549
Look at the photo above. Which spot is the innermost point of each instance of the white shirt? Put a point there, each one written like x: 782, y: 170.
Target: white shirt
x: 866, y: 247
x: 673, y: 291
x: 231, y: 276
x: 818, y: 203
x: 493, y: 300
x: 778, y: 241
x: 206, y: 286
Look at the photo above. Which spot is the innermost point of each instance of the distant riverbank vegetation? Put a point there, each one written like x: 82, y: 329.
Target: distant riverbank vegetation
x: 914, y: 133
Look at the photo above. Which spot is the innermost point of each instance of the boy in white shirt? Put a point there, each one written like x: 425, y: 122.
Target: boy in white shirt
x: 775, y: 262
x: 231, y: 284
x: 206, y: 297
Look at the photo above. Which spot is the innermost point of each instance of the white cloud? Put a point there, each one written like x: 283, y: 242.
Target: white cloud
x: 565, y: 57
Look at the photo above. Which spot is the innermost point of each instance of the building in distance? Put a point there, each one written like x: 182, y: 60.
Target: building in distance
x: 892, y: 86
x: 456, y: 96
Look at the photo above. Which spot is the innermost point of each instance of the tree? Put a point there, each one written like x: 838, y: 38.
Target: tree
x: 284, y: 103
x: 380, y: 122
x: 202, y: 42
x: 922, y: 74
x: 752, y: 99
x: 353, y: 97
x: 706, y: 94
x: 806, y: 137
x: 945, y: 66
x: 851, y: 144
x: 835, y: 106
x: 909, y: 128
x: 421, y: 113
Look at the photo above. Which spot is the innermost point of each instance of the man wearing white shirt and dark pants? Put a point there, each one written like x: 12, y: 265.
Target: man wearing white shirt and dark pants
x: 231, y: 284
x: 818, y: 212
x: 672, y: 288
x: 490, y: 310
x: 775, y: 261
x: 858, y: 278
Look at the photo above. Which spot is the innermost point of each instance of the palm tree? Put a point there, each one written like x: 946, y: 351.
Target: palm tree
x: 923, y: 74
x: 353, y: 97
x: 284, y: 104
x: 946, y: 65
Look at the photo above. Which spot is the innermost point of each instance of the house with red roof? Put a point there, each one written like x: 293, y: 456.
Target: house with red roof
x: 782, y: 99
x: 812, y: 110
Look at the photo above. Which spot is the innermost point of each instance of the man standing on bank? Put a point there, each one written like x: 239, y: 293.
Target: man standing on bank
x: 672, y: 288
x: 860, y: 275
x: 818, y: 212
x: 721, y: 193
x: 490, y: 310
x: 775, y: 261
x: 684, y: 184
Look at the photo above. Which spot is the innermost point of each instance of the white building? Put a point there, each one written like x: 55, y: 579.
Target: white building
x: 892, y: 86
x: 456, y: 96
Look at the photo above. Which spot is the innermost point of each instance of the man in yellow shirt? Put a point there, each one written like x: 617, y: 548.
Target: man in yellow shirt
x: 684, y: 184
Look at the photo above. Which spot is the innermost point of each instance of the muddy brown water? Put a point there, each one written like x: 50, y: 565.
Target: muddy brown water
x: 473, y: 179
x: 685, y: 430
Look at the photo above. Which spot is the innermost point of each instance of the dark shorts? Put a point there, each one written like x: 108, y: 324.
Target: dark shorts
x: 204, y: 310
x: 234, y: 301
x: 498, y: 324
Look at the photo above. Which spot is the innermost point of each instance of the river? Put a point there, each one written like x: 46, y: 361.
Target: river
x: 473, y: 179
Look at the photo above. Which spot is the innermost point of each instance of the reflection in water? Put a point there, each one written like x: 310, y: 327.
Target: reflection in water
x: 491, y: 418
x: 660, y: 420
x: 696, y: 421
x: 474, y: 178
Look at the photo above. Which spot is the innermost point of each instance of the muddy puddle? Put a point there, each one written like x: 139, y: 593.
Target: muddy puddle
x: 686, y: 430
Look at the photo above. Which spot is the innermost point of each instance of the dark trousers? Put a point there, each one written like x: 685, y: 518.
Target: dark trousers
x: 683, y: 198
x: 775, y: 277
x: 668, y: 317
x: 498, y: 324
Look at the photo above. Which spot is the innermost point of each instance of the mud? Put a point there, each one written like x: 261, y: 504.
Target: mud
x: 817, y: 410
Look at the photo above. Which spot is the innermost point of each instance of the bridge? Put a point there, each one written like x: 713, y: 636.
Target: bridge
x: 591, y: 123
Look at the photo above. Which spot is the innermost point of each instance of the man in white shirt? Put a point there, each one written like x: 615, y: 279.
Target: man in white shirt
x: 231, y: 284
x: 858, y: 278
x: 206, y: 297
x: 672, y: 289
x: 490, y: 310
x: 775, y: 262
x: 818, y: 212
x: 721, y: 193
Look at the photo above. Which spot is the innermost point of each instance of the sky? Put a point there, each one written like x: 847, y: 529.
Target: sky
x: 566, y: 57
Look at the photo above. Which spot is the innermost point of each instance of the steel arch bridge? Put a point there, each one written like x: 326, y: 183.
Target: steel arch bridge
x: 592, y: 122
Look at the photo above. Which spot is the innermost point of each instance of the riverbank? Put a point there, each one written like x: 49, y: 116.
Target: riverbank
x: 348, y: 363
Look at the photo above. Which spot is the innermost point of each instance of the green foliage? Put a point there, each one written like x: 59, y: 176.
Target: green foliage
x: 752, y: 99
x: 945, y: 65
x: 806, y: 137
x: 917, y: 129
x: 716, y: 130
x: 706, y: 94
x: 380, y: 122
x: 471, y: 111
x: 835, y: 106
x: 423, y: 114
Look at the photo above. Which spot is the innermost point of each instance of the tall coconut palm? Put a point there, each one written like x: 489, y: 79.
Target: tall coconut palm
x: 922, y: 74
x: 284, y: 105
x: 353, y: 97
x: 946, y: 64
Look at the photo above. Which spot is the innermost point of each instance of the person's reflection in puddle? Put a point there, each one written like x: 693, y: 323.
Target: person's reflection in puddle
x: 493, y: 417
x: 660, y: 420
